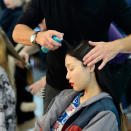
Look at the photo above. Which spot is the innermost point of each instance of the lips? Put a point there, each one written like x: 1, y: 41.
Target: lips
x: 71, y: 84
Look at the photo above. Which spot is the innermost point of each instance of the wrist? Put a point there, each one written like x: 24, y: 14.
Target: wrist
x: 118, y: 45
x: 38, y: 37
x: 34, y: 37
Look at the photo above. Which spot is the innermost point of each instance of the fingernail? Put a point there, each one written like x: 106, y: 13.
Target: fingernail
x: 84, y: 63
x: 99, y: 68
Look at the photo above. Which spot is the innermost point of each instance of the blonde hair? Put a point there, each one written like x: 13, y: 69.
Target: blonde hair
x: 3, y: 54
x: 4, y: 57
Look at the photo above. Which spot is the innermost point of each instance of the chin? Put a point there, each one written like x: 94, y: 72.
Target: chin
x: 77, y: 89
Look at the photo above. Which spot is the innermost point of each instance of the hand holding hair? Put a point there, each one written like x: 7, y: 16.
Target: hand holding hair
x: 104, y: 51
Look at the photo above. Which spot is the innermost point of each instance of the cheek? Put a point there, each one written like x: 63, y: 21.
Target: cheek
x: 84, y: 79
x: 12, y: 4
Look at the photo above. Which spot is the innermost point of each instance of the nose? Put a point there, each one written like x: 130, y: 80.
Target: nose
x: 67, y: 76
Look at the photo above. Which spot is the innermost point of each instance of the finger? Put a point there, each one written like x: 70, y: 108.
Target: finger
x: 56, y: 33
x: 102, y: 64
x: 54, y: 43
x: 30, y: 88
x: 91, y: 58
x: 89, y: 54
x: 94, y: 61
x: 92, y: 43
x: 48, y: 45
x: 33, y: 91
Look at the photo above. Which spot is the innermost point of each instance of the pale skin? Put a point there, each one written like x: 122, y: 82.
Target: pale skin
x: 35, y: 87
x: 12, y: 4
x: 82, y: 78
x: 104, y: 51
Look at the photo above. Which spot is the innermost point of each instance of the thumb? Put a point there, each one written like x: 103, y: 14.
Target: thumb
x: 92, y: 43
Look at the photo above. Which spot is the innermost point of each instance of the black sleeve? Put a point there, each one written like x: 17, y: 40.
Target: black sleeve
x: 33, y: 15
x: 121, y: 14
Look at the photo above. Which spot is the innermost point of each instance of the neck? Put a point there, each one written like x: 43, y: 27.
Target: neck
x: 92, y: 90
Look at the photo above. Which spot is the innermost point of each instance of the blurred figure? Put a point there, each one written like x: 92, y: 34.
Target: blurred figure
x: 9, y: 16
x: 2, y: 6
x: 129, y: 2
x: 7, y: 95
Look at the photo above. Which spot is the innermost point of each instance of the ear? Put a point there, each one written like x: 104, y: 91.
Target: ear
x: 91, y: 68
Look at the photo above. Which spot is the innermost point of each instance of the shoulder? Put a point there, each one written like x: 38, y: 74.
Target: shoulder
x: 105, y: 120
x: 107, y: 104
x: 101, y: 112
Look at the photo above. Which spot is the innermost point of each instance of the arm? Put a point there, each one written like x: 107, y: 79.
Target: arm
x: 120, y: 13
x: 22, y: 34
x: 106, y: 51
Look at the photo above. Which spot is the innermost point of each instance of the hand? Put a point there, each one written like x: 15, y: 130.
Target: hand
x: 45, y: 39
x: 25, y: 56
x: 104, y: 51
x: 35, y: 87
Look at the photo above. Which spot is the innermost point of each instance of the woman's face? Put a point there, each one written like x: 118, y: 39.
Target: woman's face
x: 12, y: 3
x: 78, y: 75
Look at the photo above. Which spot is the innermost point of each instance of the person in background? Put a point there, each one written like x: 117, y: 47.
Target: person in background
x: 90, y: 105
x: 2, y: 6
x: 7, y: 95
x: 7, y: 86
x: 129, y: 2
x: 9, y: 16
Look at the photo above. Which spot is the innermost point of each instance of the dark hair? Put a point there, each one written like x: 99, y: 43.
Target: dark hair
x: 103, y: 76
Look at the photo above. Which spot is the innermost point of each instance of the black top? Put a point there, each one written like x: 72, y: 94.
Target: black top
x: 77, y: 19
x: 8, y: 20
x: 2, y: 5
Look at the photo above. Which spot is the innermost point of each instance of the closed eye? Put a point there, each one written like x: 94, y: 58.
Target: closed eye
x: 71, y: 69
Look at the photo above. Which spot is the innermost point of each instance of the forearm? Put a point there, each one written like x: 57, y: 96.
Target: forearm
x: 123, y: 45
x: 30, y: 49
x: 22, y: 34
